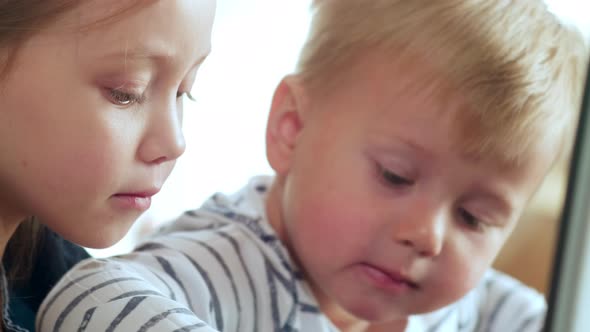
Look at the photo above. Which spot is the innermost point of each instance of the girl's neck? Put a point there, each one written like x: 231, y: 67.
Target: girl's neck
x: 8, y: 225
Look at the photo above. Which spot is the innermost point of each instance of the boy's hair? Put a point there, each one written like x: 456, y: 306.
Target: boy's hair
x: 518, y: 67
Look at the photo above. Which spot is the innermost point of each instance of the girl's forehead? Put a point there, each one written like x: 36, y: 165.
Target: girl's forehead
x: 145, y: 29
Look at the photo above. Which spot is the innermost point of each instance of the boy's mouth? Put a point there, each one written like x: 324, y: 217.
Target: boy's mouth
x: 388, y: 279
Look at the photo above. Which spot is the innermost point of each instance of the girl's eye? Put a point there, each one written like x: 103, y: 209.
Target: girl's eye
x: 122, y: 98
x: 394, y: 179
x: 470, y: 220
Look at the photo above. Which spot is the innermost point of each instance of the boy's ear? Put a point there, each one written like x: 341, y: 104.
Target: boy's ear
x: 285, y: 122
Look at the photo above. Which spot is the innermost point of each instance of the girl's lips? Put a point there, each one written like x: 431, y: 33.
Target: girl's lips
x: 134, y: 201
x: 390, y: 281
x: 143, y: 193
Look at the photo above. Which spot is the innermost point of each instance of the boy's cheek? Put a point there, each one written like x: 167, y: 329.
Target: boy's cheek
x: 454, y: 283
x: 467, y: 259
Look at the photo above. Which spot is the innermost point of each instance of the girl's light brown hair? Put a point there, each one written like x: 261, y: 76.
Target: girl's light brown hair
x: 519, y: 68
x: 20, y: 20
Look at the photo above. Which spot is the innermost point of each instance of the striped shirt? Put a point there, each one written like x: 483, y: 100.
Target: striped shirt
x: 222, y: 268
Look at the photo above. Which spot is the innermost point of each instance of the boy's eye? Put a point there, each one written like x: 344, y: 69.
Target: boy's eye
x: 395, y: 179
x: 122, y: 98
x: 470, y: 220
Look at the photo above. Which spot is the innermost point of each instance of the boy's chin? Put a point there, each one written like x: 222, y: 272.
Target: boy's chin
x: 376, y: 316
x: 370, y: 312
x: 366, y: 319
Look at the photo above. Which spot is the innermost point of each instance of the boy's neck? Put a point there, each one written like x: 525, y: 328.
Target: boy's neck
x: 273, y: 210
x: 393, y: 326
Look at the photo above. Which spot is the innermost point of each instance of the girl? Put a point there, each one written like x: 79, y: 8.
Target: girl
x: 91, y: 97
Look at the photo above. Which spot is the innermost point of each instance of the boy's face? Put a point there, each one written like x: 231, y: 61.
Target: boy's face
x: 383, y: 213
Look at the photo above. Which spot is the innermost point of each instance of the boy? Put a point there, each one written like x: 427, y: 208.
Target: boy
x: 405, y: 147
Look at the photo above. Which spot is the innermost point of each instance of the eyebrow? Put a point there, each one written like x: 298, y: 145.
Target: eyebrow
x: 412, y: 144
x: 483, y: 192
x: 496, y: 198
x: 150, y: 55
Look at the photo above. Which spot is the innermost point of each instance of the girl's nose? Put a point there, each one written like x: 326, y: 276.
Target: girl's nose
x: 163, y: 139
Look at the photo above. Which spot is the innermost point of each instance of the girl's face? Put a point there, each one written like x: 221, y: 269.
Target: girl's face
x: 90, y: 119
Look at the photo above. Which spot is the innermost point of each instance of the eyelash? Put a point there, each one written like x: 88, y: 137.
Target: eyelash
x: 123, y: 98
x: 188, y: 95
x: 393, y: 179
x: 470, y: 221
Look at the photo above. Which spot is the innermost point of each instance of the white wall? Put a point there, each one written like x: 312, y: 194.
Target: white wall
x: 255, y: 43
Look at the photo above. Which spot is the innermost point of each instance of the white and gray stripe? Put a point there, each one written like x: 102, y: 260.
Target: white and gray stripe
x: 222, y: 268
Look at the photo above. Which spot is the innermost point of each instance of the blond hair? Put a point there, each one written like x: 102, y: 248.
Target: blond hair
x: 520, y: 69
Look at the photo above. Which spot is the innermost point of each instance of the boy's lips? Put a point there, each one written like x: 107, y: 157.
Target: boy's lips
x: 388, y: 279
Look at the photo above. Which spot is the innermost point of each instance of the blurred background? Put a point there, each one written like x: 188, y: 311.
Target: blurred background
x: 255, y: 43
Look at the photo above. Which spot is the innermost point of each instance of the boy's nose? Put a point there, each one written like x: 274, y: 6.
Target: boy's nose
x: 163, y: 139
x: 423, y: 231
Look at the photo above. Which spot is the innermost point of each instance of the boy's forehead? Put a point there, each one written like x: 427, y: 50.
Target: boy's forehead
x: 414, y: 86
x: 506, y: 141
x: 376, y: 76
x: 477, y: 132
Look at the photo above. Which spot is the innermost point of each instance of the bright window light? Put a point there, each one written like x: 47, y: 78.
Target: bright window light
x: 255, y: 43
